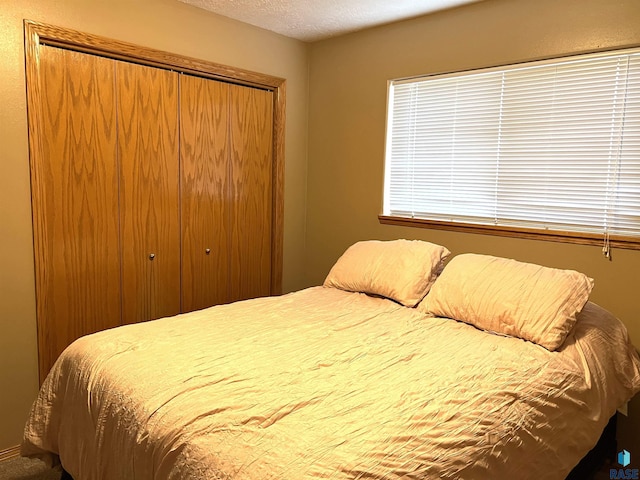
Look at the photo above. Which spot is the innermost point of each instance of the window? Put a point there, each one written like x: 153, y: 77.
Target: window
x: 538, y: 149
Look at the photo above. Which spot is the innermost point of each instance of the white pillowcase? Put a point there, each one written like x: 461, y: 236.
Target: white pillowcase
x: 402, y: 270
x: 505, y: 296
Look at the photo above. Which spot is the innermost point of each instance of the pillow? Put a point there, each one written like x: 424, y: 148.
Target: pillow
x: 505, y: 296
x: 402, y: 270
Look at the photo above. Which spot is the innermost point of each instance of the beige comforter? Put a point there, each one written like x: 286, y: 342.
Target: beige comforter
x: 324, y: 384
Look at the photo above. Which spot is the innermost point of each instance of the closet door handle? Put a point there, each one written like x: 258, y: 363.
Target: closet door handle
x: 152, y: 256
x: 207, y: 251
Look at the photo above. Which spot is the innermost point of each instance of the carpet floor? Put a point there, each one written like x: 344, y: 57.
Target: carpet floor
x: 28, y: 469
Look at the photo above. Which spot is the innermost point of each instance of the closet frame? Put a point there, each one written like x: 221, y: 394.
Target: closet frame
x: 38, y: 35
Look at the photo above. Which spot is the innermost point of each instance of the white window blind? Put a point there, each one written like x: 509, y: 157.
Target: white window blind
x: 551, y: 145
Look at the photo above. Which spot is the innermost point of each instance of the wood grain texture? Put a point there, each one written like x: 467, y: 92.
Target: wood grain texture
x: 204, y: 165
x: 147, y: 100
x: 36, y: 34
x: 251, y: 191
x: 75, y: 201
x: 277, y: 237
x: 68, y: 38
x: 577, y: 238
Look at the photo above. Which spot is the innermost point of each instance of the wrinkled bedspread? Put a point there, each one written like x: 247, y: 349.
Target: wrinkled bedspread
x: 325, y: 384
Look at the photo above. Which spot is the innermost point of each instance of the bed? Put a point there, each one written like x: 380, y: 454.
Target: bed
x: 355, y: 379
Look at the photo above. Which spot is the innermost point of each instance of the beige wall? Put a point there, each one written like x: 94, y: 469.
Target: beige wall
x: 347, y: 105
x: 162, y: 24
x: 346, y: 94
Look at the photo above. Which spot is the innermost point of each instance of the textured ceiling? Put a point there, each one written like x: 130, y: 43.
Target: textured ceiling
x: 311, y: 20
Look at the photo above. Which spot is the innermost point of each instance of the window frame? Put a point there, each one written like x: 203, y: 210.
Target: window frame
x: 545, y: 234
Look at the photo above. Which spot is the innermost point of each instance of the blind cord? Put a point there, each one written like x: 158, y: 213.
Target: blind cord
x: 606, y: 248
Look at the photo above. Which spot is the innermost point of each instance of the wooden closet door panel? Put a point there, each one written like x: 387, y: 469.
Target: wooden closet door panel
x: 75, y: 201
x: 204, y: 160
x: 147, y: 100
x: 251, y: 191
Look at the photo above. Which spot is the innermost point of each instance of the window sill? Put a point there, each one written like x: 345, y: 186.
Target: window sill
x: 514, y: 232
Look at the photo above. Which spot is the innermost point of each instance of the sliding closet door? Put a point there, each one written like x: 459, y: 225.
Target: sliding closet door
x: 75, y: 201
x: 147, y: 100
x: 204, y: 158
x: 251, y: 191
